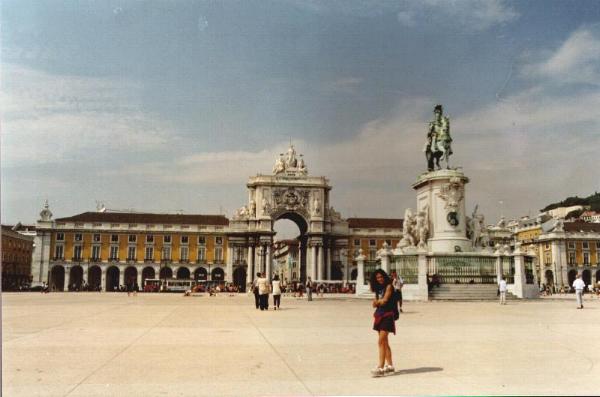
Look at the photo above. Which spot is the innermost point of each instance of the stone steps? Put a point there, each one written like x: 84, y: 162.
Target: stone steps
x: 467, y: 292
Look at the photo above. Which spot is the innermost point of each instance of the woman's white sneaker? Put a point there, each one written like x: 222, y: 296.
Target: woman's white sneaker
x: 377, y: 372
x: 389, y: 369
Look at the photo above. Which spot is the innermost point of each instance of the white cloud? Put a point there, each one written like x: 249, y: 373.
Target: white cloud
x: 50, y: 118
x: 471, y: 15
x: 577, y: 60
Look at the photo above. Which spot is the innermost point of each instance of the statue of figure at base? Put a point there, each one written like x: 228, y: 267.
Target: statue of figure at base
x: 438, y: 141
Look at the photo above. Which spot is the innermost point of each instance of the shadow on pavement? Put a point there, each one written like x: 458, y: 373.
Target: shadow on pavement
x: 417, y: 370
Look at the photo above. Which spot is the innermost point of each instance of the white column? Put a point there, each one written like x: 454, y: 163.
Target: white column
x: 498, y: 268
x: 423, y: 293
x: 250, y: 268
x: 313, y: 262
x: 360, y: 277
x: 268, y: 260
x: 519, y: 286
x: 121, y: 276
x: 328, y: 263
x: 346, y: 267
x: 103, y: 278
x: 67, y: 278
x: 139, y: 278
x: 384, y: 254
x: 229, y: 268
x: 320, y: 262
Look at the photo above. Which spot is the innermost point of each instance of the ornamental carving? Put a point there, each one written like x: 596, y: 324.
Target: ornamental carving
x: 290, y: 199
x: 452, y: 194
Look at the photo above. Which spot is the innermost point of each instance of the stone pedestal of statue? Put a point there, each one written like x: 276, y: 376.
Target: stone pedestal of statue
x: 442, y: 193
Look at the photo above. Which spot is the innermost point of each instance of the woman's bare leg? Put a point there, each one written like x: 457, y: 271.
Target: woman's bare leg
x: 382, y: 347
x: 388, y: 352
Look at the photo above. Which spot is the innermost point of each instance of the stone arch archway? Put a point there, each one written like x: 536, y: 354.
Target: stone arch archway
x: 75, y: 278
x: 239, y: 278
x: 217, y: 274
x: 147, y: 273
x: 571, y: 276
x: 165, y: 272
x: 112, y: 278
x: 549, y: 277
x: 290, y: 193
x: 130, y: 275
x: 95, y: 278
x: 586, y: 276
x: 200, y: 274
x: 183, y: 273
x: 57, y: 278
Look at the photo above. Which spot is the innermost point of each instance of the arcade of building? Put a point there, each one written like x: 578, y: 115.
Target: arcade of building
x: 107, y: 249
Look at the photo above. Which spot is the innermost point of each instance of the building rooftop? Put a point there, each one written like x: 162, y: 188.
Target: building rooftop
x: 387, y: 223
x: 581, y: 226
x: 138, y: 217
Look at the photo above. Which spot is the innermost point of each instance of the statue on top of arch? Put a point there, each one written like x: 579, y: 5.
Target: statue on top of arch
x: 290, y: 163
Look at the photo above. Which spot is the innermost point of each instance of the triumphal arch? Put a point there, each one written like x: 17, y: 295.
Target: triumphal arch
x: 289, y: 192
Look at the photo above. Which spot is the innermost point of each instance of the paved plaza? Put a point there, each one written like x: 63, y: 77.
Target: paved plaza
x: 99, y: 344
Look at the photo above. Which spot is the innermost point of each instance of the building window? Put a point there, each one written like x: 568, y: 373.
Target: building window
x: 357, y: 242
x: 219, y: 240
x: 372, y: 254
x: 78, y: 237
x: 114, y: 253
x: 571, y: 245
x: 184, y: 253
x: 167, y: 239
x: 95, y: 252
x: 571, y: 258
x: 218, y: 253
x: 372, y: 243
x: 586, y: 245
x: 597, y: 245
x: 149, y: 254
x: 59, y: 252
x: 389, y: 242
x: 201, y: 240
x: 149, y: 238
x: 586, y: 258
x: 131, y: 253
x: 201, y: 254
x: 114, y: 238
x: 185, y: 239
x: 77, y: 252
x: 96, y: 238
x: 132, y: 238
x: 60, y: 237
x: 547, y: 246
x: 166, y: 254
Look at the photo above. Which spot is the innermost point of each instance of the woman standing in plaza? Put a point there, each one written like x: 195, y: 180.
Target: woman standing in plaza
x: 276, y: 292
x: 384, y: 322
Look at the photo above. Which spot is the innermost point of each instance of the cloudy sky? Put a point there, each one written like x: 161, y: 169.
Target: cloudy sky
x: 171, y: 105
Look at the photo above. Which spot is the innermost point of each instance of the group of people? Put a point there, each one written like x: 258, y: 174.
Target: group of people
x: 262, y: 288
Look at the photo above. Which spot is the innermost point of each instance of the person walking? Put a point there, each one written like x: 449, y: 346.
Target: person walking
x: 309, y: 287
x: 384, y: 319
x: 579, y: 285
x: 276, y: 292
x: 263, y: 292
x: 398, y: 283
x: 502, y: 290
x: 255, y: 291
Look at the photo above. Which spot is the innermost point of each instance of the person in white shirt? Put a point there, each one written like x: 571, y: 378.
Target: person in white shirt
x: 398, y: 283
x: 276, y: 292
x: 263, y: 292
x: 579, y: 285
x: 502, y: 289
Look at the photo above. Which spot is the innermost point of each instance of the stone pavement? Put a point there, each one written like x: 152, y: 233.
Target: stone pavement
x: 99, y: 344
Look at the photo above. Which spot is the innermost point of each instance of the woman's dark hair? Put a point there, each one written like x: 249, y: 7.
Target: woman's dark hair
x: 375, y: 285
